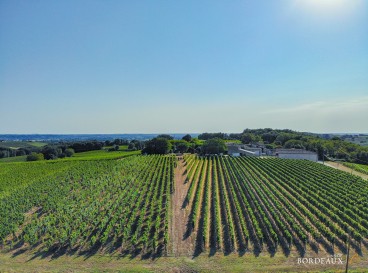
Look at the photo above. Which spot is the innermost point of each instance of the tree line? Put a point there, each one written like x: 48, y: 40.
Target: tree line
x: 164, y: 144
x: 325, y: 145
x: 67, y: 149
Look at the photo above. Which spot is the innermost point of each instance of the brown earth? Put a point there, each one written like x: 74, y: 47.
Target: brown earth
x: 180, y: 246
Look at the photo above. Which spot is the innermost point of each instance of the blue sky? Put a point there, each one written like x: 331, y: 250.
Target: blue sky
x: 183, y: 66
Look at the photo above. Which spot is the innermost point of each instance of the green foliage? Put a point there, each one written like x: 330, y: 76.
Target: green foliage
x: 180, y: 146
x: 157, y: 146
x: 213, y: 146
x: 271, y: 202
x: 206, y: 136
x: 100, y: 155
x: 69, y: 152
x: 249, y: 138
x: 19, y: 174
x: 22, y: 144
x: 114, y: 148
x: 335, y: 147
x: 165, y: 136
x: 35, y: 157
x: 358, y: 167
x: 187, y: 138
x: 22, y: 158
x: 131, y: 147
x: 294, y: 143
x: 88, y: 203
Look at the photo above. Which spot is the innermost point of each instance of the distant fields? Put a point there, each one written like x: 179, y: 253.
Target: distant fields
x: 21, y: 158
x: 360, y: 140
x: 22, y: 144
x: 91, y: 155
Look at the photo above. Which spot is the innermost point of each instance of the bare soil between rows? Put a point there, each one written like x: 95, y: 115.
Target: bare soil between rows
x: 180, y: 246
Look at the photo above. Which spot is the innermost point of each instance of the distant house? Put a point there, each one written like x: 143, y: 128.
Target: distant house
x: 243, y: 150
x: 296, y: 154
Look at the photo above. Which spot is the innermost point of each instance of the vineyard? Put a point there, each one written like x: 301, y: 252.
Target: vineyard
x: 230, y: 205
x: 243, y: 203
x: 357, y: 167
x: 112, y: 206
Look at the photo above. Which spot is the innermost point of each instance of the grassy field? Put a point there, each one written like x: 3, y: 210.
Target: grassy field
x: 21, y: 144
x: 10, y: 262
x: 21, y: 158
x: 90, y: 155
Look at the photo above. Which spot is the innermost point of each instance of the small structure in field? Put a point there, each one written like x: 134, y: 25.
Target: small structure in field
x: 243, y: 150
x: 296, y: 154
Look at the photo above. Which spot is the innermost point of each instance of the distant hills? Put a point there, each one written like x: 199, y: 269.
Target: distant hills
x: 80, y: 137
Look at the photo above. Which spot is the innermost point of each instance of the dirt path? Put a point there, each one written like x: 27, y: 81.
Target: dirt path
x: 341, y: 167
x: 179, y: 219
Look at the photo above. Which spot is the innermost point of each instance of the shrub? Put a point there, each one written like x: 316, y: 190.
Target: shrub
x: 35, y: 157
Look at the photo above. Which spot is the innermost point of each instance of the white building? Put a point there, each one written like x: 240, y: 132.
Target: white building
x: 296, y: 154
x: 243, y: 150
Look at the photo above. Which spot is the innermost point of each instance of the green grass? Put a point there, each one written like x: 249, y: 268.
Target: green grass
x: 202, y: 263
x: 90, y: 155
x: 21, y: 144
x: 21, y: 158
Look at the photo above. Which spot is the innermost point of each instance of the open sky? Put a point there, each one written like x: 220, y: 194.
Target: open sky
x: 84, y: 66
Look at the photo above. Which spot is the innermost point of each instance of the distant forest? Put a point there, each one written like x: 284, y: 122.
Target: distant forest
x: 327, y: 146
x: 330, y: 147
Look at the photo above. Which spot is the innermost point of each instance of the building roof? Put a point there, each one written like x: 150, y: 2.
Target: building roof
x: 293, y: 151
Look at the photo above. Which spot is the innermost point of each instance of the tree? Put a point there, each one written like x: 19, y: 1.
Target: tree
x: 248, y: 138
x: 213, y: 146
x: 157, y: 146
x: 187, y: 137
x: 165, y: 136
x: 180, y: 146
x: 282, y: 138
x: 86, y: 146
x: 51, y: 152
x: 269, y: 137
x: 69, y: 152
x: 35, y: 157
x: 294, y: 143
x: 139, y: 145
x: 119, y: 141
x: 206, y: 136
x: 131, y: 146
x: 114, y: 148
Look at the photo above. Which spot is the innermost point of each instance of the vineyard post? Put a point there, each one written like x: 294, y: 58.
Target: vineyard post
x: 347, y: 255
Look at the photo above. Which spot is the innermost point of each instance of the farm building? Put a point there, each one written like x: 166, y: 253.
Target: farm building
x: 243, y: 150
x: 296, y: 154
